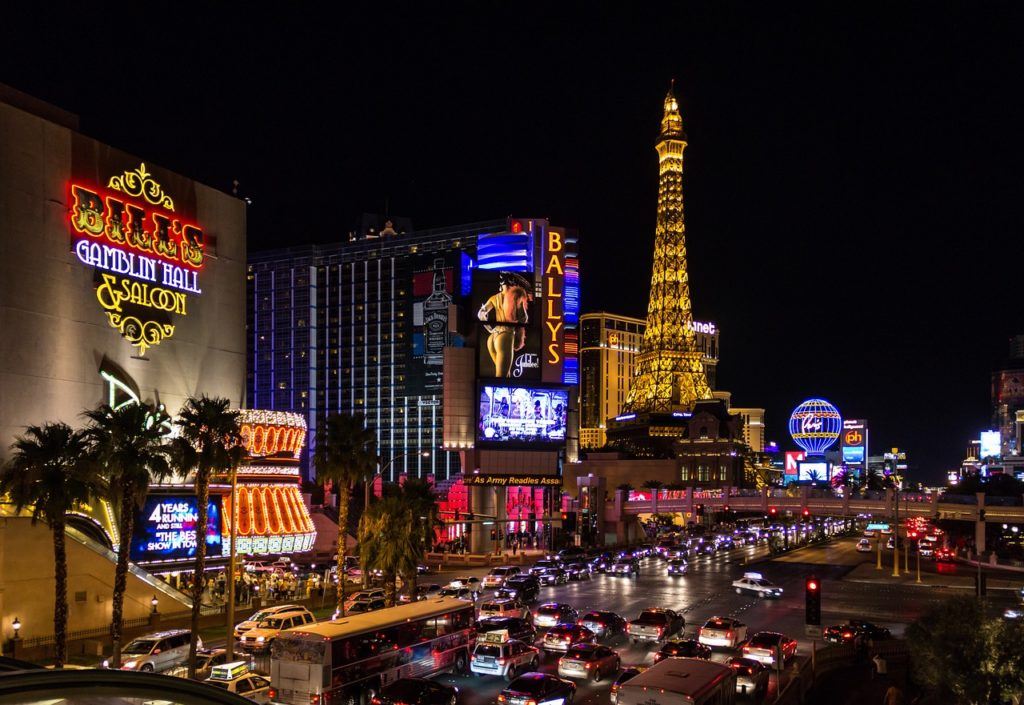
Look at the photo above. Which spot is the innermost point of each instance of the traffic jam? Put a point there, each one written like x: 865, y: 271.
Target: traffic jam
x: 527, y: 647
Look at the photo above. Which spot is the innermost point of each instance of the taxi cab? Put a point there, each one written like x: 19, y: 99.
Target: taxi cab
x: 496, y: 654
x: 237, y: 678
x: 755, y: 584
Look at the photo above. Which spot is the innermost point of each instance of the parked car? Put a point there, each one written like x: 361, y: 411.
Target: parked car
x: 260, y: 638
x: 723, y: 631
x: 157, y: 652
x: 765, y: 646
x: 606, y: 625
x: 536, y: 687
x: 416, y: 691
x: 751, y: 677
x: 590, y: 661
x: 551, y: 613
x: 561, y: 636
x: 655, y: 624
x: 686, y: 648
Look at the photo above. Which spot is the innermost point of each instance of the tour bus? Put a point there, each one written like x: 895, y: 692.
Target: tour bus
x: 680, y: 681
x: 348, y: 660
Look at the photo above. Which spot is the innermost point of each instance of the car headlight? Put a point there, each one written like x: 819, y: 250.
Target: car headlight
x: 131, y: 664
x: 260, y: 639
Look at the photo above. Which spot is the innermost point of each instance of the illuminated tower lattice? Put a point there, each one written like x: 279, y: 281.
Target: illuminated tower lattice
x: 669, y: 370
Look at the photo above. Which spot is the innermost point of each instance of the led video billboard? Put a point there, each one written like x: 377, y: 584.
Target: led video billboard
x: 814, y: 471
x: 522, y: 415
x: 165, y: 529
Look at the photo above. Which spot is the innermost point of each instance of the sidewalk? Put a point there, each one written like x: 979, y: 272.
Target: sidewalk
x: 868, y: 573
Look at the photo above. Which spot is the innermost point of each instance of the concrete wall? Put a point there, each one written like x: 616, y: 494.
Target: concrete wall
x: 27, y: 584
x: 54, y: 331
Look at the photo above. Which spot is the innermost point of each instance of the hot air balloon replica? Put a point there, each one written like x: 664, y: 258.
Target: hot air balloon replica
x: 815, y: 425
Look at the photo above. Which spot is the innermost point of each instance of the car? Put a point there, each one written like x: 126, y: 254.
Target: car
x: 551, y: 613
x: 765, y: 646
x: 627, y: 674
x: 751, y: 677
x: 543, y: 565
x: 260, y: 638
x: 945, y: 555
x: 655, y: 624
x: 573, y: 554
x: 843, y: 634
x: 516, y: 627
x: 606, y: 625
x: 724, y: 543
x: 495, y: 654
x: 206, y: 659
x: 705, y: 548
x: 467, y: 581
x: 157, y: 652
x: 561, y: 636
x: 536, y: 687
x: 886, y: 531
x: 364, y: 606
x: 578, y: 571
x: 371, y: 594
x: 622, y: 567
x: 590, y: 661
x: 462, y: 593
x: 602, y: 561
x: 677, y: 566
x: 864, y: 546
x: 496, y: 578
x: 237, y: 678
x: 722, y: 631
x: 676, y: 553
x: 503, y: 608
x: 871, y: 631
x: 552, y: 576
x: 251, y: 623
x: 416, y: 691
x: 664, y: 546
x: 926, y: 550
x: 523, y: 587
x: 423, y: 592
x: 685, y: 648
x: 869, y: 533
x: 755, y: 584
x: 890, y: 543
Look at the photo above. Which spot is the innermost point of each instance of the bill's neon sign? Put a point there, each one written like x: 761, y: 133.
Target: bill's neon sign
x: 148, y: 259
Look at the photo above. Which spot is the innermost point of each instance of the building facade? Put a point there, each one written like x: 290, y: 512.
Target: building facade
x: 609, y: 344
x: 361, y: 326
x: 753, y: 427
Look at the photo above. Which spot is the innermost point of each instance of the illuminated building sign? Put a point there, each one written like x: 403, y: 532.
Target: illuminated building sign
x: 272, y: 433
x: 553, y: 285
x: 513, y: 480
x: 854, y: 441
x: 146, y: 257
x: 700, y: 327
x: 166, y: 529
x: 793, y: 458
x: 991, y: 444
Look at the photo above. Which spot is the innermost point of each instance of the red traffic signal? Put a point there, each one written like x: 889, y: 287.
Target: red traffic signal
x: 807, y: 512
x: 773, y: 510
x: 565, y: 515
x: 725, y: 508
x: 812, y: 585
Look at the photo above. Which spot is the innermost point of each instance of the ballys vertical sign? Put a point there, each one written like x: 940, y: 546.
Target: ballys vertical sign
x: 147, y: 259
x: 554, y: 305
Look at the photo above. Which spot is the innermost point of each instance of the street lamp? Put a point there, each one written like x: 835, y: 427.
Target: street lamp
x: 154, y: 603
x: 16, y: 626
x: 380, y: 473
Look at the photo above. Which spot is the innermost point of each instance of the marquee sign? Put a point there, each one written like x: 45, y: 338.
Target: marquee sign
x: 147, y: 259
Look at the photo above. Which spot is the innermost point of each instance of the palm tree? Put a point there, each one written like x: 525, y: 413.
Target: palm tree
x: 209, y: 443
x: 345, y: 453
x: 130, y: 447
x: 387, y: 543
x: 49, y: 471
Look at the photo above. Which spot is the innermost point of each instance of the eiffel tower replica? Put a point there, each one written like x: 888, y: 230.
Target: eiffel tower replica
x: 669, y: 381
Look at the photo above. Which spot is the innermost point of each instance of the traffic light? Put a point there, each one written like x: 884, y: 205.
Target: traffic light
x: 812, y: 592
x: 773, y: 512
x: 699, y: 509
x: 807, y: 513
x: 494, y: 535
x: 725, y: 508
x: 569, y: 521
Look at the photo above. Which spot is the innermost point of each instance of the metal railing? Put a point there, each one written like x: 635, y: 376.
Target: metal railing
x: 78, y: 635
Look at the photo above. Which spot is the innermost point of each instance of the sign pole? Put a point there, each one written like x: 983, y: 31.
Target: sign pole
x: 230, y: 646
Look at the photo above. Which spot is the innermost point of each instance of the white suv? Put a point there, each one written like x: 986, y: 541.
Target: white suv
x: 157, y: 652
x: 266, y: 631
x: 254, y: 621
x: 496, y: 578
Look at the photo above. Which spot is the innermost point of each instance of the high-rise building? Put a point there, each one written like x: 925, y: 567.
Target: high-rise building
x: 361, y: 326
x: 1008, y: 397
x: 753, y: 427
x: 670, y: 371
x: 609, y: 344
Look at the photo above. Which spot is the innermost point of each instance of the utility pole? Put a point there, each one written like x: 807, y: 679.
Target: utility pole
x: 896, y: 530
x: 230, y: 646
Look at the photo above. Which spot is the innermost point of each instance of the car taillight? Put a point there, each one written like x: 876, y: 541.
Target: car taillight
x: 314, y: 699
x: 501, y: 698
x: 531, y: 702
x: 271, y: 693
x: 502, y: 661
x: 746, y: 649
x: 375, y: 700
x: 847, y: 635
x: 728, y: 634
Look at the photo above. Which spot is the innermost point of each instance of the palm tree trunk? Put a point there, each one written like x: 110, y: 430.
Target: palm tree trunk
x: 199, y: 575
x: 60, y: 604
x: 126, y: 526
x: 390, y: 589
x: 343, y: 499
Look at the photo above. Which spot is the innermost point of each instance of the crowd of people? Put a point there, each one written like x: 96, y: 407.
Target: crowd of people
x: 269, y: 586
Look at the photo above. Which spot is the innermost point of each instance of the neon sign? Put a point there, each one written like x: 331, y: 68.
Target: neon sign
x: 146, y: 257
x: 554, y: 304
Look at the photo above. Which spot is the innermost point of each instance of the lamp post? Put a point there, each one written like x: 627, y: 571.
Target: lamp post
x: 230, y: 646
x: 896, y: 534
x: 16, y: 626
x: 154, y: 602
x: 380, y: 473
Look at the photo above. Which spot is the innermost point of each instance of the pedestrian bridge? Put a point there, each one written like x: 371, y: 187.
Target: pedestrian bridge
x: 818, y: 502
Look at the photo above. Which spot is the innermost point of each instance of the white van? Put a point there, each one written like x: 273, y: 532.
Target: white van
x: 680, y: 681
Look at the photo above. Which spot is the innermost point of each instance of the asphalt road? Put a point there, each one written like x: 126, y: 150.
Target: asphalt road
x: 706, y: 591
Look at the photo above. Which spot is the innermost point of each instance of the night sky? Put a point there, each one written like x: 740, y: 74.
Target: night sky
x: 853, y: 184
